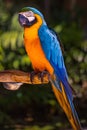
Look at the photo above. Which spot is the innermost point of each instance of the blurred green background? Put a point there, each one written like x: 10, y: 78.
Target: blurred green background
x: 34, y: 107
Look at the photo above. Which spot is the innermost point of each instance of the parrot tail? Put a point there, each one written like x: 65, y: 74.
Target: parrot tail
x: 66, y: 103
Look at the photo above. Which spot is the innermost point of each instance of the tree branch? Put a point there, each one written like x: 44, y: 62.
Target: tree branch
x: 17, y: 76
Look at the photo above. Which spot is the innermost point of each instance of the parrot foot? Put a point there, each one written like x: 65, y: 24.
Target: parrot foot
x: 42, y: 74
x: 32, y: 74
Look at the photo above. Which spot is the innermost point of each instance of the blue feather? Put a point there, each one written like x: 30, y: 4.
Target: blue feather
x: 51, y: 47
x: 53, y: 53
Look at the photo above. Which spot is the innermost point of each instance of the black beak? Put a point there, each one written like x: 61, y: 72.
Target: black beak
x: 23, y: 20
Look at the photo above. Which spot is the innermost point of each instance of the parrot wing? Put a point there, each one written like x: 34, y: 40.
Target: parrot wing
x: 53, y: 53
x: 63, y: 92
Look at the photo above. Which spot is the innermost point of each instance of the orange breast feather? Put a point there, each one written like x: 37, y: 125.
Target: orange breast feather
x: 34, y: 50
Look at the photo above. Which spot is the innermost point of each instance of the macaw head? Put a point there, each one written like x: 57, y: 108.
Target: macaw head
x: 29, y: 16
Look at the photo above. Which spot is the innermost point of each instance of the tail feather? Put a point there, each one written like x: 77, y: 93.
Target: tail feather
x: 67, y: 104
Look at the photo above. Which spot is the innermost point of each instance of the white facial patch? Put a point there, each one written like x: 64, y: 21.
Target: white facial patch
x: 31, y: 19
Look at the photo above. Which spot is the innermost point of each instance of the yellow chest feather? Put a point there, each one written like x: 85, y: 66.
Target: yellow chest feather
x: 34, y: 50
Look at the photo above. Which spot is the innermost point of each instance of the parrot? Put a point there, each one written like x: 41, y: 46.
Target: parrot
x: 43, y: 47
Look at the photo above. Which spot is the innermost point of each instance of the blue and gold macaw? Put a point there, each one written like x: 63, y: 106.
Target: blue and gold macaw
x: 43, y: 48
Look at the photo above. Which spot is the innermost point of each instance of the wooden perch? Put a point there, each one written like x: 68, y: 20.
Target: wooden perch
x: 17, y: 76
x: 13, y: 79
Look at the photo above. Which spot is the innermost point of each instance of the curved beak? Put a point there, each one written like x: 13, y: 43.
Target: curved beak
x: 22, y: 19
x: 26, y: 20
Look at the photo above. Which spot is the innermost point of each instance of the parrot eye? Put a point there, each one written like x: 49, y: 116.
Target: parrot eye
x: 30, y: 16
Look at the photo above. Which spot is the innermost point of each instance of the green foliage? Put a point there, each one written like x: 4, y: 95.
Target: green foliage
x: 13, y: 55
x: 48, y: 127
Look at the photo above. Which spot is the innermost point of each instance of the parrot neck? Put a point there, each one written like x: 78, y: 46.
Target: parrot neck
x: 32, y: 31
x: 36, y: 25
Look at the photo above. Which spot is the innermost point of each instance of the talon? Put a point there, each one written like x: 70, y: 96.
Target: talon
x: 32, y: 76
x: 42, y: 75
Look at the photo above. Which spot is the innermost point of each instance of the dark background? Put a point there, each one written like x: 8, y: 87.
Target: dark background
x: 35, y: 107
